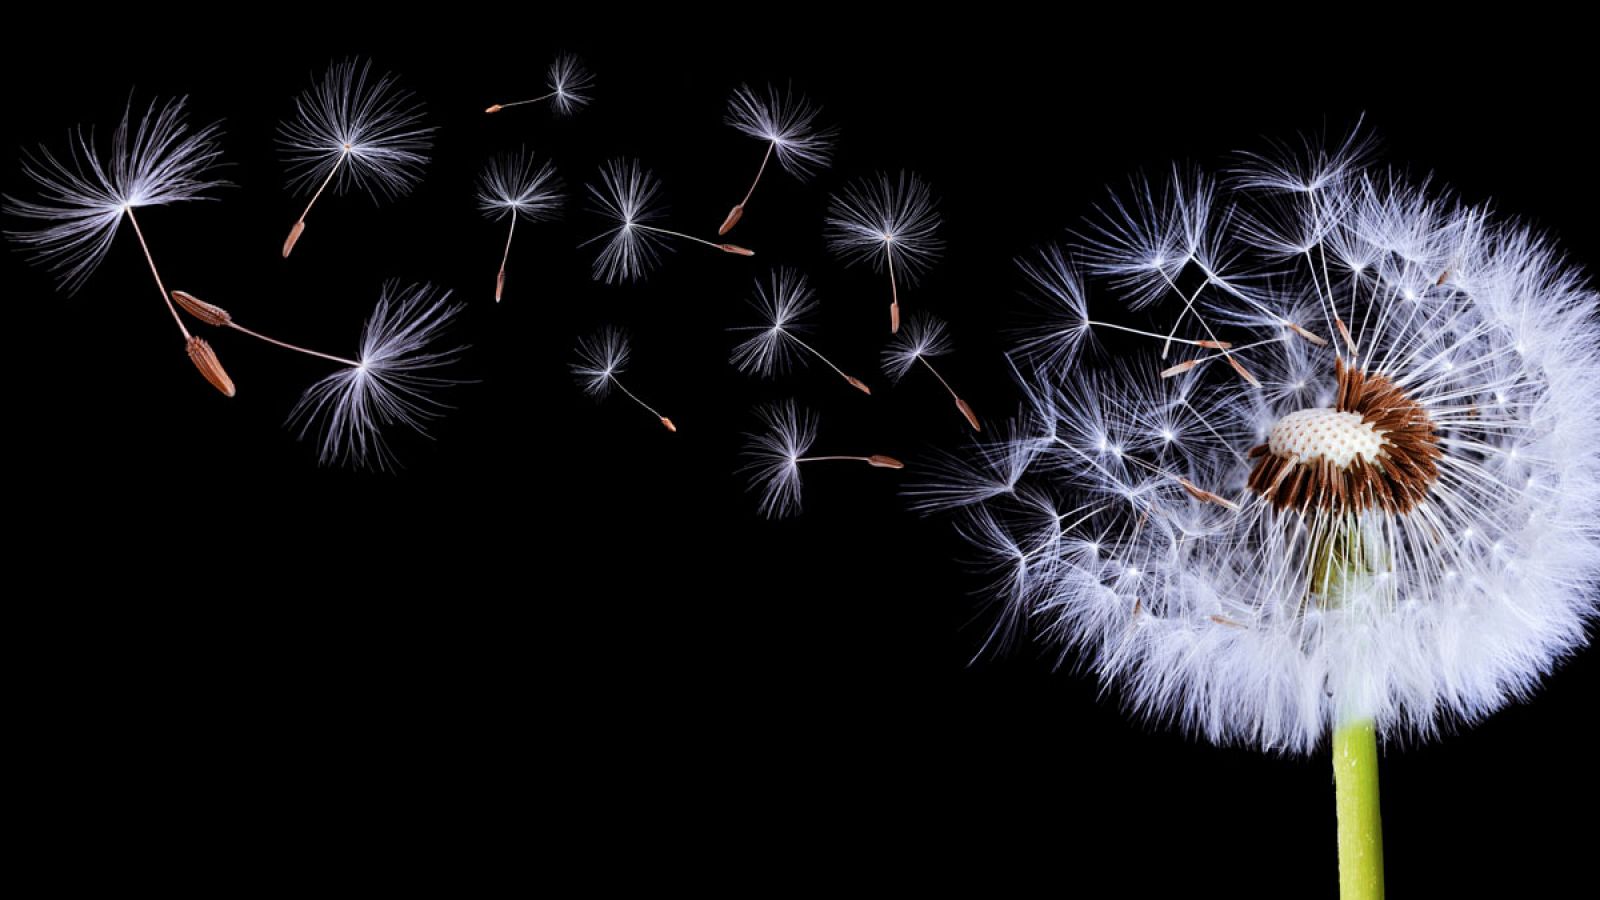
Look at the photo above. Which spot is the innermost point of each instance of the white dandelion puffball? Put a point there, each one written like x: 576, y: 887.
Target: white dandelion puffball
x: 85, y: 195
x: 773, y: 456
x: 513, y: 184
x: 891, y: 222
x: 569, y: 84
x: 392, y: 383
x: 787, y: 122
x: 1353, y: 474
x: 628, y: 198
x: 369, y: 129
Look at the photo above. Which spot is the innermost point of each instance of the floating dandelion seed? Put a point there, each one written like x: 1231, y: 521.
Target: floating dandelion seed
x: 776, y: 452
x: 924, y: 338
x: 567, y: 80
x: 892, y: 223
x: 601, y: 358
x: 85, y: 195
x: 513, y: 187
x: 1375, y: 517
x: 349, y: 130
x: 787, y: 123
x: 628, y: 196
x: 783, y: 300
x: 389, y: 383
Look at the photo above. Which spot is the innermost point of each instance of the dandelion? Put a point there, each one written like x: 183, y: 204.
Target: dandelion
x: 924, y: 338
x: 784, y: 300
x: 776, y: 452
x: 601, y: 358
x: 512, y: 187
x: 389, y: 383
x: 367, y: 132
x: 567, y: 81
x: 887, y: 222
x: 86, y: 194
x: 787, y: 124
x: 628, y: 196
x: 1365, y: 507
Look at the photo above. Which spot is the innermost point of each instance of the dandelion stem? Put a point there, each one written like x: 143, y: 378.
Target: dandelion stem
x: 854, y: 382
x: 152, y: 261
x: 635, y: 398
x: 288, y: 346
x: 725, y: 248
x: 500, y: 280
x: 1355, y: 771
x: 1151, y: 334
x: 802, y: 459
x: 894, y: 294
x: 759, y: 172
x: 499, y: 106
x: 300, y: 223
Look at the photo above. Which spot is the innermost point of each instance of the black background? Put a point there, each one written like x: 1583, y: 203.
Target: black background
x: 561, y: 636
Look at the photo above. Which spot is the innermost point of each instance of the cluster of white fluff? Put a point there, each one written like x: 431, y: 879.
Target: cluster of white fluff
x: 1116, y: 515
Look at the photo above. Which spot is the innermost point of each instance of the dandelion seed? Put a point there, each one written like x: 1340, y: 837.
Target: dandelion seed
x: 628, y: 196
x: 774, y: 456
x: 886, y: 222
x: 784, y: 300
x: 352, y: 131
x: 568, y: 82
x: 1377, y: 518
x: 601, y: 358
x: 390, y: 383
x: 512, y: 187
x: 787, y: 124
x: 85, y: 195
x: 924, y: 338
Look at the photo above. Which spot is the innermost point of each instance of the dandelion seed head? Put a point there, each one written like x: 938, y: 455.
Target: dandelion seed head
x: 784, y: 300
x: 514, y: 184
x: 883, y: 218
x: 569, y: 82
x: 366, y: 130
x: 923, y: 336
x: 601, y: 358
x: 772, y: 456
x: 1372, y: 492
x: 84, y: 194
x: 788, y: 122
x: 628, y: 197
x: 392, y: 384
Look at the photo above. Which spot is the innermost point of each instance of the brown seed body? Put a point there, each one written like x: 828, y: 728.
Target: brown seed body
x: 205, y: 359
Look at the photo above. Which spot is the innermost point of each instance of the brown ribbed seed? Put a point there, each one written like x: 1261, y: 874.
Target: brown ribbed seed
x: 205, y: 359
x: 205, y: 312
x: 884, y: 462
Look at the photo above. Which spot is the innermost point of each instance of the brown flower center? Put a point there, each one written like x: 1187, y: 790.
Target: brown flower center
x: 1376, y: 447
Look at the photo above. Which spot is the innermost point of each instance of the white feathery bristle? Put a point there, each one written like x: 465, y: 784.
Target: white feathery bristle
x: 923, y: 336
x: 876, y: 218
x: 369, y: 128
x: 627, y: 197
x: 393, y: 383
x: 601, y: 358
x: 85, y: 194
x: 569, y: 82
x: 783, y: 300
x: 773, y: 456
x: 513, y: 184
x: 788, y: 122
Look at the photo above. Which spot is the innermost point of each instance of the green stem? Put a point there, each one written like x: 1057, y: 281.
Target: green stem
x: 1355, y: 776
